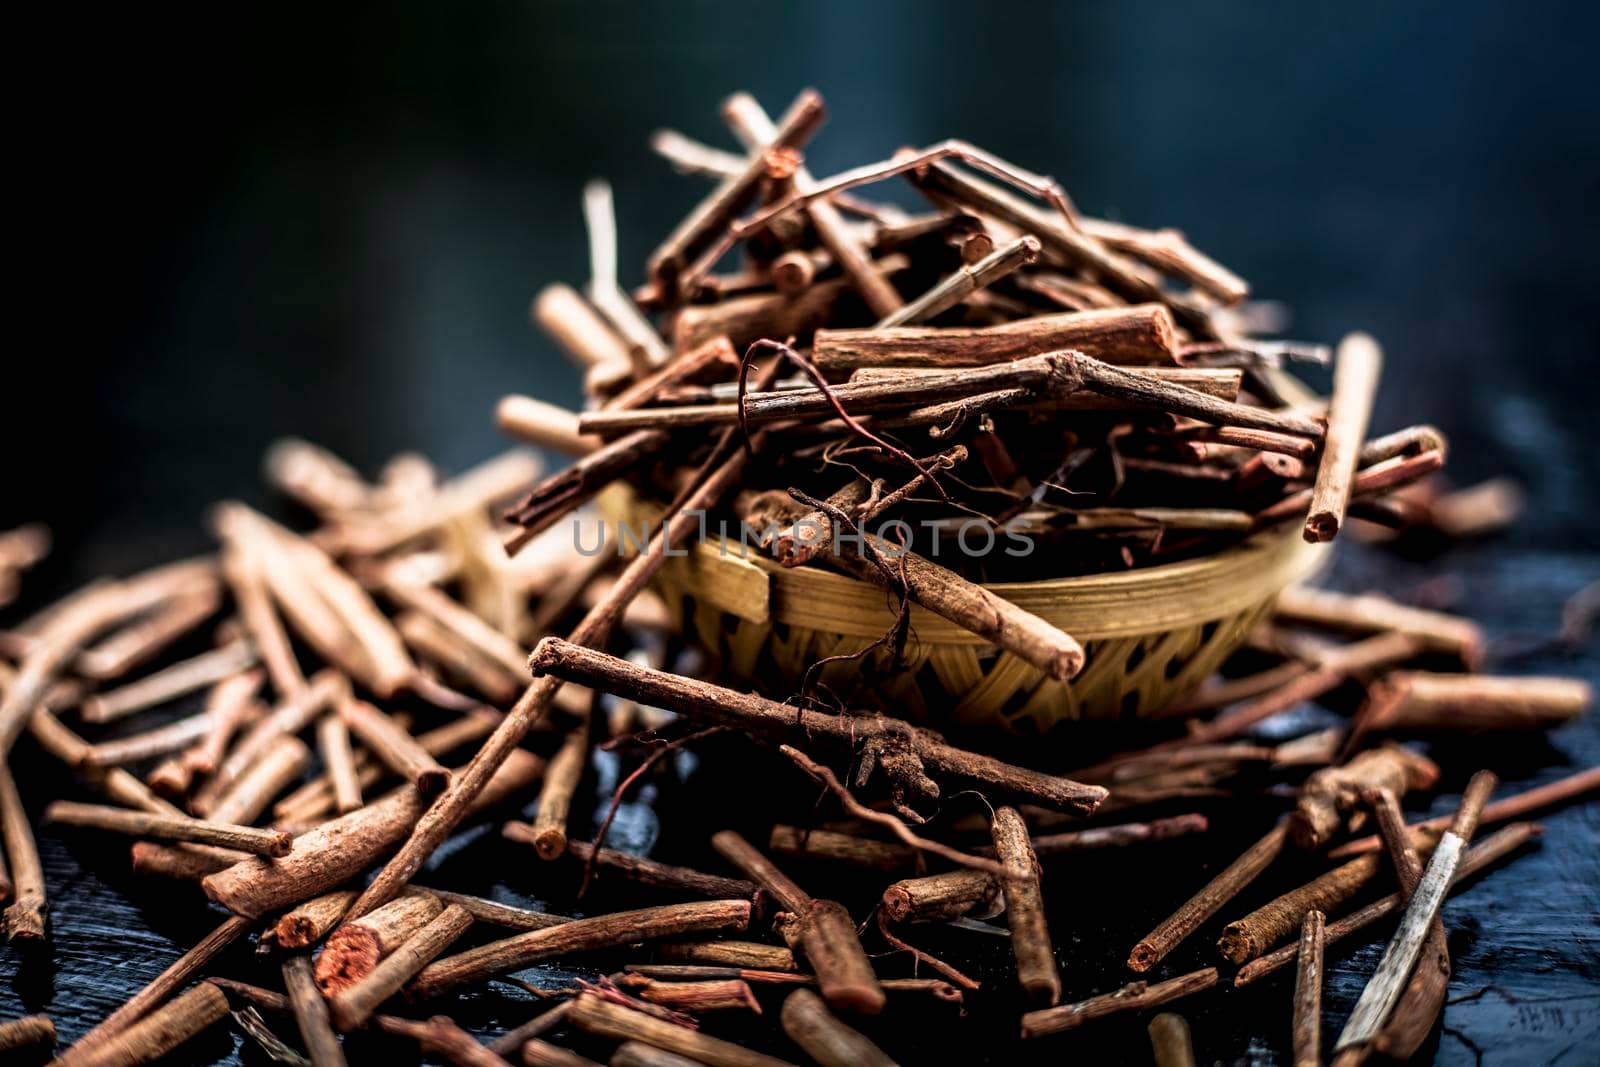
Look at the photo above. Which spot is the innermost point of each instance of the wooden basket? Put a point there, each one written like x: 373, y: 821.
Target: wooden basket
x: 1150, y: 635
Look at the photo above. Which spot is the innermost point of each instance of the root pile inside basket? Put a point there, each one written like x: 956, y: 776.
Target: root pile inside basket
x: 996, y: 381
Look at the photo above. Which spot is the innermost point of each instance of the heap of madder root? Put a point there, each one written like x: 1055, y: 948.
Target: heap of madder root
x: 999, y: 357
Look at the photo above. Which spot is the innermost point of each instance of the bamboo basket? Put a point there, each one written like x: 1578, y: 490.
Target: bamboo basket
x: 1150, y: 635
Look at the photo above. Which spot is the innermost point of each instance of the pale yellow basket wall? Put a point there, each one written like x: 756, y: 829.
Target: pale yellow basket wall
x: 1150, y: 635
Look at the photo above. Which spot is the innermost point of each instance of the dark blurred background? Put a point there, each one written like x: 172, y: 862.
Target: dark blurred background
x: 242, y: 223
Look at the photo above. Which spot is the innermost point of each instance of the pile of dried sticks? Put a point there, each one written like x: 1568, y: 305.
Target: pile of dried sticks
x: 1094, y: 377
x: 994, y: 365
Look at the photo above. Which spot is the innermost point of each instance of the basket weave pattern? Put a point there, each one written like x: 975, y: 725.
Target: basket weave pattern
x: 1150, y: 635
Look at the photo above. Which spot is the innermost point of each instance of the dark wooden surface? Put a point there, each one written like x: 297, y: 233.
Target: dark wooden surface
x: 1526, y: 938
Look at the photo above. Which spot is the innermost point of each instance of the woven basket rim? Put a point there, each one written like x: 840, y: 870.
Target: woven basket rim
x: 1144, y: 600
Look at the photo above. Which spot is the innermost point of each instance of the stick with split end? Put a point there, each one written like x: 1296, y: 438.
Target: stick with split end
x: 1388, y: 981
x: 821, y: 929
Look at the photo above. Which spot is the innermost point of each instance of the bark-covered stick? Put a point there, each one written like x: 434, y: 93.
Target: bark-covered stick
x: 537, y: 422
x: 694, y: 996
x: 755, y: 131
x: 706, y: 225
x: 1135, y: 996
x: 389, y: 666
x: 72, y: 750
x: 471, y: 492
x: 308, y: 922
x: 1169, y: 251
x: 494, y: 913
x: 827, y: 1040
x: 968, y: 605
x: 645, y: 346
x: 175, y: 735
x: 316, y: 799
x: 1062, y: 240
x: 23, y: 546
x: 965, y: 281
x: 568, y: 489
x: 333, y: 744
x: 706, y: 359
x: 181, y: 863
x: 1139, y: 335
x: 1197, y: 909
x: 229, y: 707
x: 688, y: 972
x: 78, y: 621
x: 336, y: 851
x: 639, y: 1054
x: 293, y: 715
x: 393, y: 746
x: 580, y: 935
x: 1387, y: 984
x: 555, y: 796
x: 821, y: 930
x: 605, y: 1018
x: 1369, y: 482
x: 25, y: 916
x: 582, y: 334
x: 311, y: 1013
x: 1487, y: 852
x: 1425, y: 701
x: 353, y: 1005
x: 432, y: 643
x: 251, y: 793
x: 832, y: 846
x: 1355, y: 386
x: 1306, y: 1029
x: 1218, y: 692
x: 169, y: 828
x: 315, y: 477
x: 158, y: 1033
x: 1249, y: 937
x: 357, y: 947
x: 247, y: 580
x: 1560, y: 791
x: 1329, y: 793
x: 144, y: 639
x: 1148, y: 391
x: 1030, y: 936
x: 940, y: 897
x: 1423, y: 999
x: 19, y: 1034
x: 1120, y: 835
x: 1053, y: 374
x: 768, y: 718
x: 509, y: 1042
x: 162, y: 986
x: 441, y: 1038
x: 458, y: 620
x: 536, y: 1052
x: 1170, y: 1044
x: 169, y: 683
x: 744, y: 954
x: 749, y: 318
x: 654, y: 873
x: 1376, y: 613
x: 1355, y: 659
